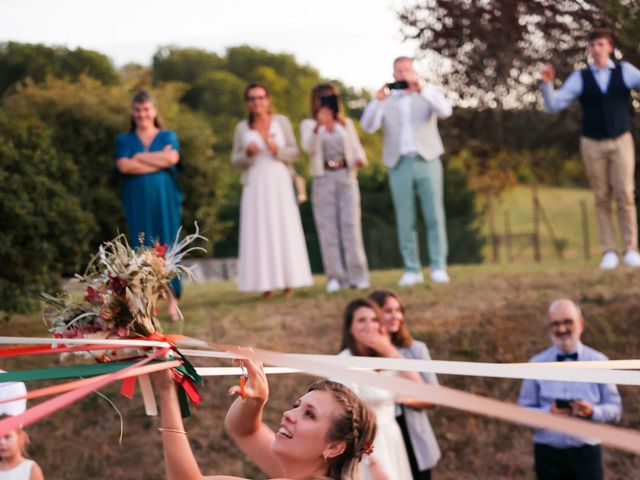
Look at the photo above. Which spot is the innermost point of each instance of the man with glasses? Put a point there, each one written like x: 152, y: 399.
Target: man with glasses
x: 558, y: 456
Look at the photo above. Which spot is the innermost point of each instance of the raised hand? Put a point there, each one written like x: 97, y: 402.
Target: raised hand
x: 256, y: 386
x: 378, y: 339
x: 548, y: 73
x: 383, y: 92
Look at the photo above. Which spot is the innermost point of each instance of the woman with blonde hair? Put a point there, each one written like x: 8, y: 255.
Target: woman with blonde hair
x: 323, y: 436
x: 335, y: 152
x: 13, y: 464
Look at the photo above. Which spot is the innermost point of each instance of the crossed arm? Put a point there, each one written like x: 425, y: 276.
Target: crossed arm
x: 148, y: 162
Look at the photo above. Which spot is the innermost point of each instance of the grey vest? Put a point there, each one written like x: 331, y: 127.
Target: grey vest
x: 425, y: 128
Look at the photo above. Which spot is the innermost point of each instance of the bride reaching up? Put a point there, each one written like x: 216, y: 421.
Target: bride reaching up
x: 323, y: 436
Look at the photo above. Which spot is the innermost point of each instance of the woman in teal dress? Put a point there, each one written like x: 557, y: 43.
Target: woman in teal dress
x: 147, y: 157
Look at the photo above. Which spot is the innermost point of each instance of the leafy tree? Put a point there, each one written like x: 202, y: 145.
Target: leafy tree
x: 85, y: 117
x: 186, y: 65
x: 494, y: 47
x: 45, y: 229
x: 20, y: 61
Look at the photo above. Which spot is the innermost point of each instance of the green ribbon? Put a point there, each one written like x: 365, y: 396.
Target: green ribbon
x: 66, y: 372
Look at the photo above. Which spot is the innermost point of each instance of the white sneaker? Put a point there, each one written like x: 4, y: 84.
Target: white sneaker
x: 610, y: 261
x: 410, y: 278
x: 333, y: 285
x: 631, y: 259
x: 440, y: 276
x: 362, y: 284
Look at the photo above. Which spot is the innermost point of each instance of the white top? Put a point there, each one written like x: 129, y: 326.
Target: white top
x: 22, y: 471
x: 10, y: 390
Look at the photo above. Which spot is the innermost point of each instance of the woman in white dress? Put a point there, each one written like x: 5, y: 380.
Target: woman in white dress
x: 272, y: 253
x: 364, y: 335
x: 13, y: 464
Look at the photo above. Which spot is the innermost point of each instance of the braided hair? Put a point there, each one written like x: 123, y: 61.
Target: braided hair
x: 355, y: 425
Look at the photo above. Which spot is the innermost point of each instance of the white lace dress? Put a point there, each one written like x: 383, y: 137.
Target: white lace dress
x: 273, y: 253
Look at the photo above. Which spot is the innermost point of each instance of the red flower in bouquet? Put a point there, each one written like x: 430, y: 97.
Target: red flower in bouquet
x: 117, y: 285
x: 92, y: 296
x: 160, y: 249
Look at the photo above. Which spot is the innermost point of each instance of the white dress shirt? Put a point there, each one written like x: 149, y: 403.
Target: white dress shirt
x: 571, y: 89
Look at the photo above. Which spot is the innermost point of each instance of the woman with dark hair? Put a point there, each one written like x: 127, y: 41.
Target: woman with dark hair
x: 331, y: 141
x: 323, y: 436
x: 147, y: 157
x: 272, y: 251
x: 363, y: 335
x: 421, y: 443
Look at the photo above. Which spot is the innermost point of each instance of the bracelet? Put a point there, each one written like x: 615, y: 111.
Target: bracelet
x: 172, y: 430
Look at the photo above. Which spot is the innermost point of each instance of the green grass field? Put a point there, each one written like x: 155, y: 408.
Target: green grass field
x: 562, y: 207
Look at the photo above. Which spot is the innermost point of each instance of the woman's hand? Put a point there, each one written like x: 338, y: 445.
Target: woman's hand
x: 252, y: 149
x: 272, y: 146
x: 378, y: 339
x: 325, y: 117
x: 256, y: 386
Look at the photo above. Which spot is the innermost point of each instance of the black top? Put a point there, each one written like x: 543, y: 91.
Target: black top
x: 605, y: 115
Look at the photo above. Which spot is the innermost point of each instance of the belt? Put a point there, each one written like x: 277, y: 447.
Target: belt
x: 335, y: 164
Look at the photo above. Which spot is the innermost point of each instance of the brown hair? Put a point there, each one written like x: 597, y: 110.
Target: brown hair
x: 23, y: 438
x: 142, y: 96
x: 327, y: 88
x: 250, y: 87
x: 401, y: 338
x: 348, y: 341
x: 355, y: 425
x: 602, y: 32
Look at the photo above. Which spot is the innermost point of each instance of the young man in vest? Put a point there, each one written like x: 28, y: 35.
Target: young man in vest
x: 412, y: 148
x: 606, y: 145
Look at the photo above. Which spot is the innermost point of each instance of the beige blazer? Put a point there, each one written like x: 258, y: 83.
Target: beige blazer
x: 311, y: 144
x: 288, y: 153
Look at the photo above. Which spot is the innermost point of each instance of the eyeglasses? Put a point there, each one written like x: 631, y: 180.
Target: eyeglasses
x: 567, y: 322
x: 256, y: 98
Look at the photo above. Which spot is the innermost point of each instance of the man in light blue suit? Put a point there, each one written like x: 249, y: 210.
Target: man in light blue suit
x: 408, y: 111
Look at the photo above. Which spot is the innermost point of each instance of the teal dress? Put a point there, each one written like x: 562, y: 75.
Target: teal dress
x: 153, y: 201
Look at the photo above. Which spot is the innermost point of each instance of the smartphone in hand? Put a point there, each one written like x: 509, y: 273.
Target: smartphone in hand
x: 563, y: 404
x: 329, y: 101
x: 399, y: 85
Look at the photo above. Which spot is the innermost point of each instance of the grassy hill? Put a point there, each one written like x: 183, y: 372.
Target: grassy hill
x: 489, y: 313
x: 562, y: 209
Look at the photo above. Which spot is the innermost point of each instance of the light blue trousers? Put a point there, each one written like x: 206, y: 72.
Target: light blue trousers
x: 412, y: 174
